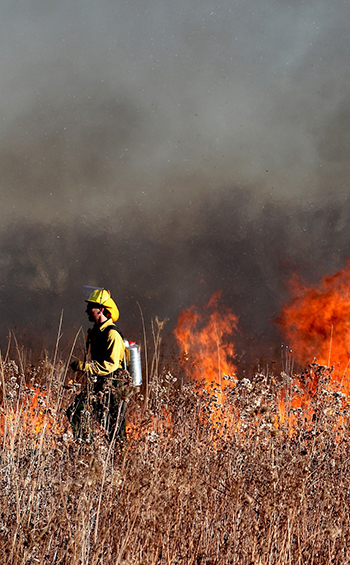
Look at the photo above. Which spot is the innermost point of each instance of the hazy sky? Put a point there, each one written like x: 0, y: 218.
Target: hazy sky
x: 168, y: 150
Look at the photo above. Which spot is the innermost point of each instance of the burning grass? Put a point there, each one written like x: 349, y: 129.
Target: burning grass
x: 267, y: 483
x: 316, y: 322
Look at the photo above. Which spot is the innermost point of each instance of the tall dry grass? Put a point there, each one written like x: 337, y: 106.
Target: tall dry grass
x: 199, y: 481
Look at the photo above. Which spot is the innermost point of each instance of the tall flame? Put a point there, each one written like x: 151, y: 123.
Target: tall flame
x: 205, y: 340
x: 317, y: 322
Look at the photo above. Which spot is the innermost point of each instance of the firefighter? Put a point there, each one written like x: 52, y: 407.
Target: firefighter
x: 104, y: 396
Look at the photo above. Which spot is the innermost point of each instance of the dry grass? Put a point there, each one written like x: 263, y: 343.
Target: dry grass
x: 249, y: 489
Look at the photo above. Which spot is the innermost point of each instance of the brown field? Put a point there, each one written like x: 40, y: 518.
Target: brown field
x: 258, y: 474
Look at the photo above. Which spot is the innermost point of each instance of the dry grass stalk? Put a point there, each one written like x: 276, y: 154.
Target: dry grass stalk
x: 261, y: 486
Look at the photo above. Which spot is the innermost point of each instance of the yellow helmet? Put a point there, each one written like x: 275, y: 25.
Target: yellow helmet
x: 103, y: 297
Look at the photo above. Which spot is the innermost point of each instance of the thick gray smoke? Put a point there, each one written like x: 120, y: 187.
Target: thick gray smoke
x: 169, y: 150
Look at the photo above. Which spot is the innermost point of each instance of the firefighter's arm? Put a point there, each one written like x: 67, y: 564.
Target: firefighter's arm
x: 114, y: 355
x: 78, y: 366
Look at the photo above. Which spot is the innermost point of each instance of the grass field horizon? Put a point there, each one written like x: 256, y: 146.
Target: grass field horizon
x: 249, y: 471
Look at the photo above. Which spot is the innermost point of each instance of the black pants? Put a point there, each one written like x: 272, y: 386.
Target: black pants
x: 99, y: 402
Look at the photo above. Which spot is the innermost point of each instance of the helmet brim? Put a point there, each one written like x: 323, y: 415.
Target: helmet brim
x: 95, y: 304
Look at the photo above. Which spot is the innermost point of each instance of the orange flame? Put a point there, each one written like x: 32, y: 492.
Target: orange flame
x: 32, y: 415
x: 203, y: 339
x: 317, y: 322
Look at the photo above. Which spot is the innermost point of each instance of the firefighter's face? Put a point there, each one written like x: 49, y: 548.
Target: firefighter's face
x: 94, y: 312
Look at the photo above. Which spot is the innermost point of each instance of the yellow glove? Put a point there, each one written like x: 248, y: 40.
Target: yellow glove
x: 78, y: 366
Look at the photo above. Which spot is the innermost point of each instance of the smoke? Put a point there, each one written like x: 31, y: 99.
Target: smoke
x: 45, y: 266
x: 167, y: 151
